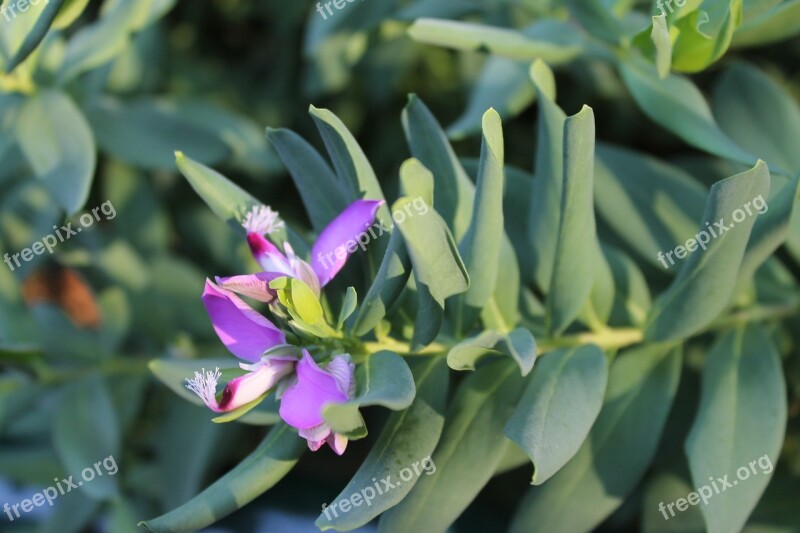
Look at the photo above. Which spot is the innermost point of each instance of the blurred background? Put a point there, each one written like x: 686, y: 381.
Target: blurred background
x: 147, y: 77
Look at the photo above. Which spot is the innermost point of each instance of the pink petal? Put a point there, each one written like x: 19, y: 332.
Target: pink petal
x: 329, y: 253
x: 244, y: 332
x: 267, y: 255
x: 255, y: 286
x: 337, y: 442
x: 302, y: 403
x: 245, y: 389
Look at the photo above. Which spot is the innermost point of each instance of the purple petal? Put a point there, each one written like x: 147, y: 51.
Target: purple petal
x: 241, y: 329
x: 315, y: 436
x: 302, y: 403
x: 329, y: 253
x: 255, y: 286
x: 245, y: 389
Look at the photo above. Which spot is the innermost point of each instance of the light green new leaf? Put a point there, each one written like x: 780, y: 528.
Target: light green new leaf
x: 383, y: 379
x: 756, y: 112
x: 480, y: 247
x: 547, y: 186
x: 322, y: 195
x: 553, y: 47
x: 256, y: 474
x: 642, y: 384
x: 676, y: 104
x: 408, y: 437
x: 454, y: 190
x: 662, y: 44
x: 574, y: 267
x: 518, y: 344
x: 501, y: 312
x: 438, y: 268
x: 706, y: 281
x: 86, y: 430
x: 558, y: 408
x: 37, y: 33
x: 469, y: 451
x: 59, y: 146
x: 741, y: 420
x: 348, y: 307
x: 705, y: 34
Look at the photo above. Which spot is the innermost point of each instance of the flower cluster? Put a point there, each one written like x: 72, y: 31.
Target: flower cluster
x: 303, y: 386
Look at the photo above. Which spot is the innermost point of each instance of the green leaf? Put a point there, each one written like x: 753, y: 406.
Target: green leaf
x: 469, y: 451
x: 322, y: 195
x: 705, y: 34
x: 454, y: 190
x: 574, y: 269
x: 548, y: 44
x: 705, y: 283
x: 776, y: 24
x: 597, y: 19
x: 665, y: 488
x: 662, y: 44
x: 519, y: 345
x: 438, y: 268
x: 676, y: 104
x: 154, y: 130
x: 771, y: 228
x: 69, y: 13
x: 642, y: 384
x: 227, y: 200
x: 568, y: 385
x: 408, y: 437
x: 503, y: 85
x: 649, y: 204
x: 86, y: 430
x: 37, y: 33
x: 480, y: 247
x: 256, y: 474
x: 352, y: 166
x: 59, y: 146
x: 547, y: 186
x: 383, y: 379
x: 741, y: 421
x: 759, y: 114
x: 632, y: 296
x: 97, y: 44
x: 389, y: 283
x: 502, y: 310
x: 348, y: 307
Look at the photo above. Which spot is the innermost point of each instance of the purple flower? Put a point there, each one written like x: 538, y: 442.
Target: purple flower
x: 303, y: 401
x: 328, y: 255
x: 248, y: 335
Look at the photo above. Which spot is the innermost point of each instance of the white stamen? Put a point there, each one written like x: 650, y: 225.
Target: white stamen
x: 204, y: 385
x: 262, y: 220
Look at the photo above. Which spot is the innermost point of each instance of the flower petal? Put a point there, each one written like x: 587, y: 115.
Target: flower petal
x: 302, y: 403
x: 245, y: 389
x: 315, y: 436
x: 255, y: 286
x: 267, y: 255
x: 337, y: 442
x: 342, y: 370
x: 244, y: 332
x: 329, y: 253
